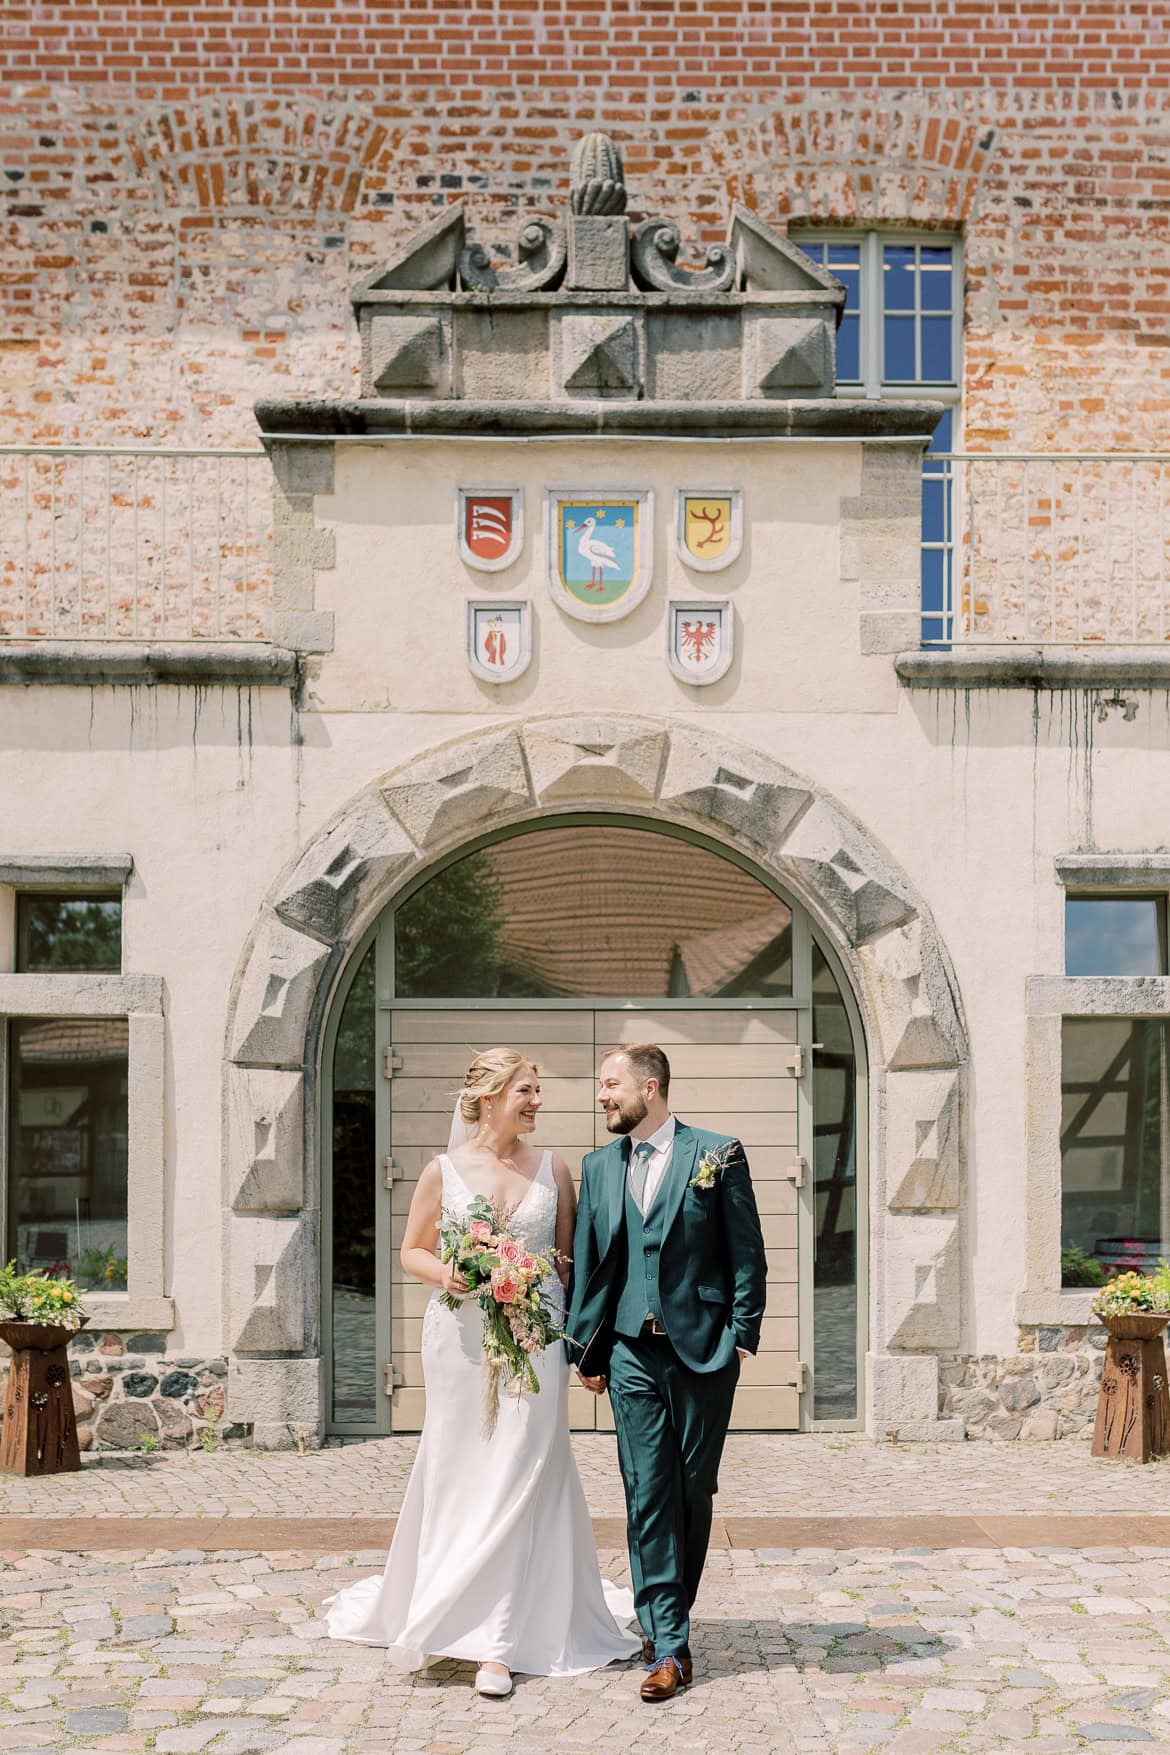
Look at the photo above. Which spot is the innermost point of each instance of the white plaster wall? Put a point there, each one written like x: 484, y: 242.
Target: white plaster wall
x: 214, y: 791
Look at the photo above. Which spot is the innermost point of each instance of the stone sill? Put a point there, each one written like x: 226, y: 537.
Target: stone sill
x: 503, y: 298
x: 757, y: 418
x: 83, y: 663
x: 1035, y: 667
x: 124, y: 1312
x: 75, y: 871
x: 1067, y: 1309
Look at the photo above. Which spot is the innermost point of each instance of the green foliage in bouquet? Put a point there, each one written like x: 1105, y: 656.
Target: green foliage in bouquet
x: 37, y: 1298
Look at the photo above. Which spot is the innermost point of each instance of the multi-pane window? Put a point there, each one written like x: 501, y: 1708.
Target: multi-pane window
x: 1115, y: 1116
x: 900, y: 336
x: 68, y: 1108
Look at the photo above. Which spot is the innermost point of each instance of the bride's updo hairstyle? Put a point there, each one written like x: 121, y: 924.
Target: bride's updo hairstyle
x: 489, y: 1074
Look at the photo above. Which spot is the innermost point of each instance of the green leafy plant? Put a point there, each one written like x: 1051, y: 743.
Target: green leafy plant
x: 102, y: 1266
x: 1079, y: 1269
x: 36, y: 1297
x: 148, y: 1442
x: 209, y: 1435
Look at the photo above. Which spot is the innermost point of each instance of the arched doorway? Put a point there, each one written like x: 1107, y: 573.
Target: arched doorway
x: 564, y: 936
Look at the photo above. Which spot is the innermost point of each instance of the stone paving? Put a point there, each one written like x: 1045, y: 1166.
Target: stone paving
x: 903, y: 1649
x: 907, y: 1651
x: 774, y: 1475
x: 770, y: 1475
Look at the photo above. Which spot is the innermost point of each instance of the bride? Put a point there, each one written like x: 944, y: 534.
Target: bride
x: 493, y: 1558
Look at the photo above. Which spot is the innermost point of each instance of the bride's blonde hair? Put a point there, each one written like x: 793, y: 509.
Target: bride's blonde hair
x: 489, y: 1074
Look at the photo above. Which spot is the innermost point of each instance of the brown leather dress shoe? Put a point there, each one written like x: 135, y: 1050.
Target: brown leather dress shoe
x: 648, y: 1660
x: 665, y: 1679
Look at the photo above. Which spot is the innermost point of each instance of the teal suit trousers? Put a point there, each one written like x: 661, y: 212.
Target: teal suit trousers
x: 671, y: 1423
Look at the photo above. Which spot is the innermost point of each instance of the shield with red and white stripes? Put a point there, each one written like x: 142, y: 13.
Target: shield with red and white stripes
x: 490, y: 527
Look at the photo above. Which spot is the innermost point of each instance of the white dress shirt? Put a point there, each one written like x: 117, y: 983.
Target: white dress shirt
x: 662, y: 1139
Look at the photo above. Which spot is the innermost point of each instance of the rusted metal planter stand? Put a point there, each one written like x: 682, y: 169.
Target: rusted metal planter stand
x: 1133, y: 1406
x: 40, y: 1432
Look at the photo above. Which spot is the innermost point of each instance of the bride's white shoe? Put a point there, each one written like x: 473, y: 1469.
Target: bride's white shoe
x: 495, y: 1683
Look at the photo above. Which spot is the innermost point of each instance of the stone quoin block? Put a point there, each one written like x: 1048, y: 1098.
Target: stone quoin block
x: 734, y: 787
x: 266, y: 1140
x: 268, y: 1285
x: 450, y: 793
x: 361, y: 852
x: 276, y: 992
x: 923, y: 1141
x: 575, y: 759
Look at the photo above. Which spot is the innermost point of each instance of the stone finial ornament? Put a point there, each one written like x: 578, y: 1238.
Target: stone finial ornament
x: 597, y: 182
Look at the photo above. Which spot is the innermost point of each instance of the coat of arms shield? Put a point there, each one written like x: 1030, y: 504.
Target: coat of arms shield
x: 489, y: 525
x: 708, y: 527
x: 600, y: 550
x: 700, y: 640
x: 499, y: 640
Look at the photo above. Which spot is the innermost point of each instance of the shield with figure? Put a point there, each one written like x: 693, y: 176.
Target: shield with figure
x: 708, y: 527
x: 499, y: 640
x: 700, y: 640
x: 600, y: 550
x: 489, y: 525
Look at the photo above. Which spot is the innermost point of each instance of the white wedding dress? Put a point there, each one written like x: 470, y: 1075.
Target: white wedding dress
x: 493, y: 1557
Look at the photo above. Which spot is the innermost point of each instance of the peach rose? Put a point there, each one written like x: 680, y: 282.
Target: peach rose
x: 510, y: 1251
x: 528, y: 1263
x: 504, y: 1286
x: 480, y: 1230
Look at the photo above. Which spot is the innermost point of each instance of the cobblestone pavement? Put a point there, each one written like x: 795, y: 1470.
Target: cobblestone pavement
x: 824, y: 1475
x: 906, y: 1650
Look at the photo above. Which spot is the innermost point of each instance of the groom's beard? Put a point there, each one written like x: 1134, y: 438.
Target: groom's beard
x: 627, y: 1117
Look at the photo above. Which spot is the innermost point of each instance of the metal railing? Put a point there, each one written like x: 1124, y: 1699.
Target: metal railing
x: 1060, y: 549
x: 102, y: 543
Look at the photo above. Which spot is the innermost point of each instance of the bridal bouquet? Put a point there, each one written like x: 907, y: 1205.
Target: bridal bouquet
x: 505, y: 1277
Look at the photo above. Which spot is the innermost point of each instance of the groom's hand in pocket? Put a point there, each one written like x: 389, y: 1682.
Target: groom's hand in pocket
x: 596, y: 1385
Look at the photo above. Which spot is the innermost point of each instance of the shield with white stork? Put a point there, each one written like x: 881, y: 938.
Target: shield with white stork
x: 600, y: 550
x: 489, y: 525
x: 700, y: 640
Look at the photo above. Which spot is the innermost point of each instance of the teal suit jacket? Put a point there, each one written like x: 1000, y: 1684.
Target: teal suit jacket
x: 712, y: 1267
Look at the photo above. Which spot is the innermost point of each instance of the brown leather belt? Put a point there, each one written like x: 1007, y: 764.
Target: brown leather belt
x: 652, y: 1326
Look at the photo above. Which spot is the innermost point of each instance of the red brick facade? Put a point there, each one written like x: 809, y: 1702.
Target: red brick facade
x: 190, y: 190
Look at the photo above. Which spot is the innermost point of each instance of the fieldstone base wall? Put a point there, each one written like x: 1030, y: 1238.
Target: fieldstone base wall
x: 1047, y: 1390
x: 125, y: 1388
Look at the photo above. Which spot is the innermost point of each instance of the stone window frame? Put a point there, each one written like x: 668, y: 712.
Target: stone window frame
x: 1051, y: 999
x: 138, y: 999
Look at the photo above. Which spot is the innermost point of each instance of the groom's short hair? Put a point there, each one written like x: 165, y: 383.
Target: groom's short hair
x: 648, y: 1062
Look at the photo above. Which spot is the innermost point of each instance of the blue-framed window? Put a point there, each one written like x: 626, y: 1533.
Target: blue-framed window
x: 901, y: 335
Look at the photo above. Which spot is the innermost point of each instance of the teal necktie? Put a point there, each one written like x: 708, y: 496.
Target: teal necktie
x: 639, y: 1169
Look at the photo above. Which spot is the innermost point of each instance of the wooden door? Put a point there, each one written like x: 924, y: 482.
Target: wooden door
x: 732, y: 1071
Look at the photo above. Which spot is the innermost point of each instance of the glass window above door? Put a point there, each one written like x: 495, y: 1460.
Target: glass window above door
x: 597, y: 912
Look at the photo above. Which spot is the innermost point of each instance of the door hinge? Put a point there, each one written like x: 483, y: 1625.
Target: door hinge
x: 391, y: 1063
x: 795, y: 1172
x: 393, y: 1379
x: 391, y: 1172
x: 800, y: 1382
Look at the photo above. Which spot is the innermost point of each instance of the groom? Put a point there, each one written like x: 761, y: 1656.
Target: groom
x: 667, y: 1296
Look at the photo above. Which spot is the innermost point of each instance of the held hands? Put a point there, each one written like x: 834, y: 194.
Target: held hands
x: 453, y: 1283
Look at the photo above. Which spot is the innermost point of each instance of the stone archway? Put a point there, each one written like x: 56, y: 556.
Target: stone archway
x: 883, y: 933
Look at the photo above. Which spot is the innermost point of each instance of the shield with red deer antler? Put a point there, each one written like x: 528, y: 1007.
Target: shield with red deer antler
x: 708, y: 527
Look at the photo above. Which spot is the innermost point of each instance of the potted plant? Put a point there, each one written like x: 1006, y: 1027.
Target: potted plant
x: 1133, y: 1406
x: 38, y: 1316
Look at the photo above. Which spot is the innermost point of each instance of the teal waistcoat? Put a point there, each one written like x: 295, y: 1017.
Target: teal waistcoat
x: 638, y: 1297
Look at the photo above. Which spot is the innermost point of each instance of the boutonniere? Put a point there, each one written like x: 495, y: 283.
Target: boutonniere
x: 711, y: 1166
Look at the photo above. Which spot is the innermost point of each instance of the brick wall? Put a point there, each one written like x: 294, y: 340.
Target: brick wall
x: 189, y: 191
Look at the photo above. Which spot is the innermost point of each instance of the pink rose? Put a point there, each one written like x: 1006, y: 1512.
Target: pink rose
x: 504, y: 1286
x: 528, y: 1263
x: 510, y: 1251
x: 480, y: 1230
